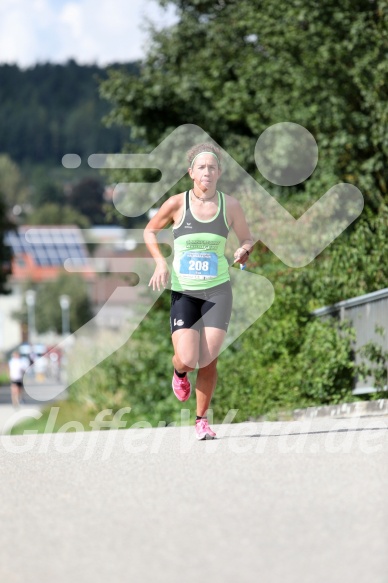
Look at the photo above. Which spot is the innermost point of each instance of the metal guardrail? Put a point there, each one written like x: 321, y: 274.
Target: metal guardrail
x: 364, y: 313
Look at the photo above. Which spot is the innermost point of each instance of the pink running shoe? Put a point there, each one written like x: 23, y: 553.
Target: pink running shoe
x: 181, y: 387
x: 203, y: 430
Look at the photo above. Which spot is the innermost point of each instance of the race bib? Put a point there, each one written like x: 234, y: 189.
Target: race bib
x: 199, y: 264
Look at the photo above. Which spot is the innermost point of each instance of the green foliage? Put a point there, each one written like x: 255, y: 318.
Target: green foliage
x: 11, y: 182
x: 5, y: 251
x: 375, y: 363
x: 48, y: 311
x: 55, y: 214
x: 355, y: 264
x: 59, y: 417
x: 50, y: 110
x: 236, y: 67
x: 324, y: 369
x: 86, y: 196
x: 48, y: 314
x: 287, y: 359
x: 47, y: 191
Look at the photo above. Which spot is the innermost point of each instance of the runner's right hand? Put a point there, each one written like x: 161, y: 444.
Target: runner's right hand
x: 160, y: 276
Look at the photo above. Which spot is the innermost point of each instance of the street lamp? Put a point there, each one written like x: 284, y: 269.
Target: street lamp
x: 64, y: 301
x: 30, y: 301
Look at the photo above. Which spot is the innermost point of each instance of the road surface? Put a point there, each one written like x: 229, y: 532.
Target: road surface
x: 276, y: 502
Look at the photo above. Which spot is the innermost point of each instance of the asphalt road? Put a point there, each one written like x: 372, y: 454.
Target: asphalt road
x: 41, y: 390
x: 276, y: 502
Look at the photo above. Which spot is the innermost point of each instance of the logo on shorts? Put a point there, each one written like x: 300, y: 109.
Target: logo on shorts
x: 188, y: 226
x: 178, y: 322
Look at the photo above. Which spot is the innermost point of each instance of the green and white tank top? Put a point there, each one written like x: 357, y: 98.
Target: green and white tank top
x: 199, y: 249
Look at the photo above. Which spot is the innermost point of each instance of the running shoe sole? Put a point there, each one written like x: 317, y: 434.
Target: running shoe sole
x: 205, y: 437
x: 177, y: 396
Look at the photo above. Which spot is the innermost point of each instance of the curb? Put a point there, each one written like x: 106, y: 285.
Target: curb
x: 357, y: 409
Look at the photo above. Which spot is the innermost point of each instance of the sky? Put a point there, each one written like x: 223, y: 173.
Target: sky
x: 88, y: 31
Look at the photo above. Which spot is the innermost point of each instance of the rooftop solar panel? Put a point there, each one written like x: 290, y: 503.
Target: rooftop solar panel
x: 49, y: 246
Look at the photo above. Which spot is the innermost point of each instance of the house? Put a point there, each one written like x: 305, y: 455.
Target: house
x: 39, y: 254
x: 100, y: 254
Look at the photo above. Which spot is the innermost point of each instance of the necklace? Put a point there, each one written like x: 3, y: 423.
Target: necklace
x: 203, y: 199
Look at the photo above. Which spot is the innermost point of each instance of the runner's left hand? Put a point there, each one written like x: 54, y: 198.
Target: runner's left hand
x: 241, y: 255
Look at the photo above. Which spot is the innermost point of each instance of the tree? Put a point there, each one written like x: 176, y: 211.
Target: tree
x: 237, y: 67
x: 48, y: 311
x: 54, y: 214
x: 48, y: 315
x: 46, y: 192
x: 5, y: 250
x: 49, y: 110
x: 11, y: 182
x: 87, y: 197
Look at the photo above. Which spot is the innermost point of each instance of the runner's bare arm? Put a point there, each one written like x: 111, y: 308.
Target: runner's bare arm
x: 240, y: 226
x: 165, y: 215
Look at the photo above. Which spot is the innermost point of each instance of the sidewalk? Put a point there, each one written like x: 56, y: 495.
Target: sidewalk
x: 346, y: 410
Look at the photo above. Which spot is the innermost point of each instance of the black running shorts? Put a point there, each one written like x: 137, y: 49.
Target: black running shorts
x: 18, y: 383
x: 209, y: 308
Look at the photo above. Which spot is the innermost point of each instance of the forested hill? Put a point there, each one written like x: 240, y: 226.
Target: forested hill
x: 49, y: 110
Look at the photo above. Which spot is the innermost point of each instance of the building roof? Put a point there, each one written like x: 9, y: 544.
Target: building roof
x: 39, y: 252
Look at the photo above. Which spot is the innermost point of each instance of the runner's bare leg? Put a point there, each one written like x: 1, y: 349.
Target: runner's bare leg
x: 186, y: 349
x: 210, y: 345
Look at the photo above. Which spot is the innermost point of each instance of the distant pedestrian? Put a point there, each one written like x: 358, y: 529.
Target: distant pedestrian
x: 17, y: 368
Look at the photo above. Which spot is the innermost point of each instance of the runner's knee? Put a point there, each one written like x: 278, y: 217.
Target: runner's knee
x: 184, y: 364
x: 208, y: 361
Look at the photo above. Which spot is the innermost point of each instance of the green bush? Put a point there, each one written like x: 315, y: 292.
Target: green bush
x: 324, y: 365
x: 374, y: 364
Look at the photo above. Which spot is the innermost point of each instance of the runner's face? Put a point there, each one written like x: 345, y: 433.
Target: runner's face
x: 205, y: 172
